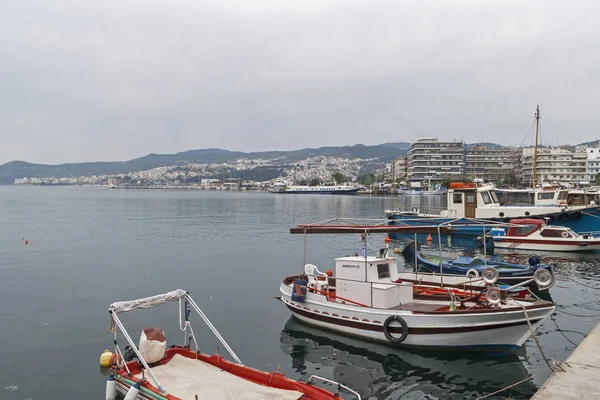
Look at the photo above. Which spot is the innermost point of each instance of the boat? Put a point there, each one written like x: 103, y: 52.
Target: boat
x: 467, y: 202
x: 476, y: 266
x: 322, y: 189
x: 534, y: 234
x: 278, y: 186
x: 365, y: 297
x: 154, y: 371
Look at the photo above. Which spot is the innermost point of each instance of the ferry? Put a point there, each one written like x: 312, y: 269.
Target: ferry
x: 323, y: 189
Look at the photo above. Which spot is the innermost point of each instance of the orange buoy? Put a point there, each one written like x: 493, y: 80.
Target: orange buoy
x: 329, y: 272
x: 387, y: 239
x: 26, y: 242
x: 429, y: 238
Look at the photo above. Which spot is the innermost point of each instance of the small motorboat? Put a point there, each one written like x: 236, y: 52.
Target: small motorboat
x: 535, y: 234
x: 365, y: 297
x: 153, y: 371
x: 509, y: 273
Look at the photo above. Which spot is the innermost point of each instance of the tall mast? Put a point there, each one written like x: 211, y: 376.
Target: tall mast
x: 537, y: 126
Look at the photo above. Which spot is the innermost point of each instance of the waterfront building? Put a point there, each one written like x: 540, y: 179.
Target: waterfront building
x: 555, y: 165
x: 397, y: 169
x: 593, y: 163
x: 429, y: 159
x: 496, y: 165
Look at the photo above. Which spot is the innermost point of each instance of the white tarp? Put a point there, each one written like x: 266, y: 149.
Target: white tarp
x: 147, y: 302
x: 184, y: 378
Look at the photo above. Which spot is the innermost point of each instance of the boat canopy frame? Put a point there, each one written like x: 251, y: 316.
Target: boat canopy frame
x: 179, y: 295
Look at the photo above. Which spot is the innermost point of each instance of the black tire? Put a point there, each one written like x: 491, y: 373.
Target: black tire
x: 563, y: 216
x: 386, y: 329
x: 576, y: 215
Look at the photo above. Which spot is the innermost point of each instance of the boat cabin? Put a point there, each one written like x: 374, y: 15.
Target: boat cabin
x: 529, y: 226
x: 465, y: 198
x: 370, y: 281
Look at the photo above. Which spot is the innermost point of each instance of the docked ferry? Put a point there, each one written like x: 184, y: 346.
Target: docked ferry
x: 323, y: 189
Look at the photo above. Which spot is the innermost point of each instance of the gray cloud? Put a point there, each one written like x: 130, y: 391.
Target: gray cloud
x: 109, y: 80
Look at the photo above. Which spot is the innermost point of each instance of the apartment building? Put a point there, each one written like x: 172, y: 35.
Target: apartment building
x: 492, y: 164
x: 555, y: 165
x: 434, y: 160
x: 593, y: 163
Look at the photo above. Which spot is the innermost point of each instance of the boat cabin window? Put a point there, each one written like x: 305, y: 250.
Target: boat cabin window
x: 545, y: 196
x: 525, y: 229
x: 558, y: 233
x: 486, y: 197
x: 562, y: 195
x: 550, y: 232
x: 457, y: 198
x: 383, y: 271
x: 494, y: 197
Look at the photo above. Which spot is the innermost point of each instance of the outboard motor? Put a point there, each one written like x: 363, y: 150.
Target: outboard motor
x: 533, y: 260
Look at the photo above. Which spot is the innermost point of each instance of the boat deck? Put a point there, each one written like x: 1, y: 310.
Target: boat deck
x: 419, y: 307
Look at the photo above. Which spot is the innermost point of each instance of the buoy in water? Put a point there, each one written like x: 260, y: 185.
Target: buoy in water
x: 387, y: 239
x: 429, y: 238
x: 105, y: 359
x: 396, y: 251
x: 111, y: 388
x: 133, y: 391
x: 26, y: 242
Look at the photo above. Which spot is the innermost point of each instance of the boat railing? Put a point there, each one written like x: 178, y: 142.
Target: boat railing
x: 179, y: 295
x: 339, y: 385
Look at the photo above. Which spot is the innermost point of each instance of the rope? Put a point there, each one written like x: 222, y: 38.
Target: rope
x: 579, y: 315
x: 583, y: 284
x: 533, y: 333
x: 562, y: 332
x: 513, y: 385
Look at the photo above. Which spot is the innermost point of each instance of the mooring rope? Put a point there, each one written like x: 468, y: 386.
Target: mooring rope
x: 583, y: 284
x: 514, y: 384
x: 533, y: 333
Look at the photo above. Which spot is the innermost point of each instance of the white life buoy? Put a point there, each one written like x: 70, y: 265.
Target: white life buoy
x: 472, y: 271
x: 565, y: 234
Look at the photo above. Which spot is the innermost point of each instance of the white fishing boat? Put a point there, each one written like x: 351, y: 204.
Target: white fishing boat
x: 534, y: 234
x: 365, y: 297
x: 154, y: 371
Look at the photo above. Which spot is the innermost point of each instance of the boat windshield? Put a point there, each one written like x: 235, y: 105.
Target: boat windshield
x: 494, y: 197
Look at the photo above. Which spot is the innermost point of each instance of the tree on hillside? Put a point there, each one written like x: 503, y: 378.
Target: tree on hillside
x: 338, y: 177
x: 314, y: 182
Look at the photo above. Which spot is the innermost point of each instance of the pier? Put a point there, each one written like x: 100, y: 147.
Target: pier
x: 580, y: 379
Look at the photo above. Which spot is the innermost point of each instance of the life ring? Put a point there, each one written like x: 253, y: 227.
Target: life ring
x: 564, y: 234
x: 386, y: 329
x: 472, y: 271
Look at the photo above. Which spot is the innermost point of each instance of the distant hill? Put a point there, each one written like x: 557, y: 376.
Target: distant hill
x: 21, y: 169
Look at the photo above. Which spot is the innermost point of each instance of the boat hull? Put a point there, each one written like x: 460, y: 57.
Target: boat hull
x: 539, y: 245
x: 503, y: 331
x: 581, y: 221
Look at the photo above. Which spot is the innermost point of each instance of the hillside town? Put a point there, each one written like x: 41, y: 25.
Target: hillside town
x: 430, y: 162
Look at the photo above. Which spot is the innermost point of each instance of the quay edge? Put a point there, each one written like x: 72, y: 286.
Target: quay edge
x: 581, y: 371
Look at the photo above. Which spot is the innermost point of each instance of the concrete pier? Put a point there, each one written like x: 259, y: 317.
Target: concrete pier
x: 581, y: 379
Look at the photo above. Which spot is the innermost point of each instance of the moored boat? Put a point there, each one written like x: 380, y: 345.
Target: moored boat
x: 154, y: 371
x: 366, y: 298
x: 464, y: 266
x: 323, y: 189
x: 534, y: 234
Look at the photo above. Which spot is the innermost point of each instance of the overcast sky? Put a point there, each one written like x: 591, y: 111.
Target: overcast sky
x: 89, y: 80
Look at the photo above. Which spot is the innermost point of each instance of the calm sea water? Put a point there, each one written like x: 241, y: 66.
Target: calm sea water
x: 88, y: 247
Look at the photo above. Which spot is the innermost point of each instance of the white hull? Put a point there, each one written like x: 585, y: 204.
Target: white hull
x: 503, y: 330
x: 522, y: 244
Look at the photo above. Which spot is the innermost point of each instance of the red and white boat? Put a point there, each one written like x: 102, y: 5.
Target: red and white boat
x: 365, y: 297
x: 534, y: 234
x: 154, y: 372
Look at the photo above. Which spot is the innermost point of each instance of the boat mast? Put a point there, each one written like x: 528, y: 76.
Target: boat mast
x: 537, y: 126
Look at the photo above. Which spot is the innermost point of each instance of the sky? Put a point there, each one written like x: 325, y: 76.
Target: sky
x: 107, y: 80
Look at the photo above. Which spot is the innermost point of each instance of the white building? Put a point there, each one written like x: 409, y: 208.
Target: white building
x: 396, y: 169
x: 555, y: 165
x: 430, y: 159
x: 593, y: 163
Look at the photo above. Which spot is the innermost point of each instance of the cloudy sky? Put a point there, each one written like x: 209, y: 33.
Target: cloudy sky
x: 113, y: 80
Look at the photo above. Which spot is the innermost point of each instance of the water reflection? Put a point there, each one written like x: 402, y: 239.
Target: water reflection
x: 378, y: 371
